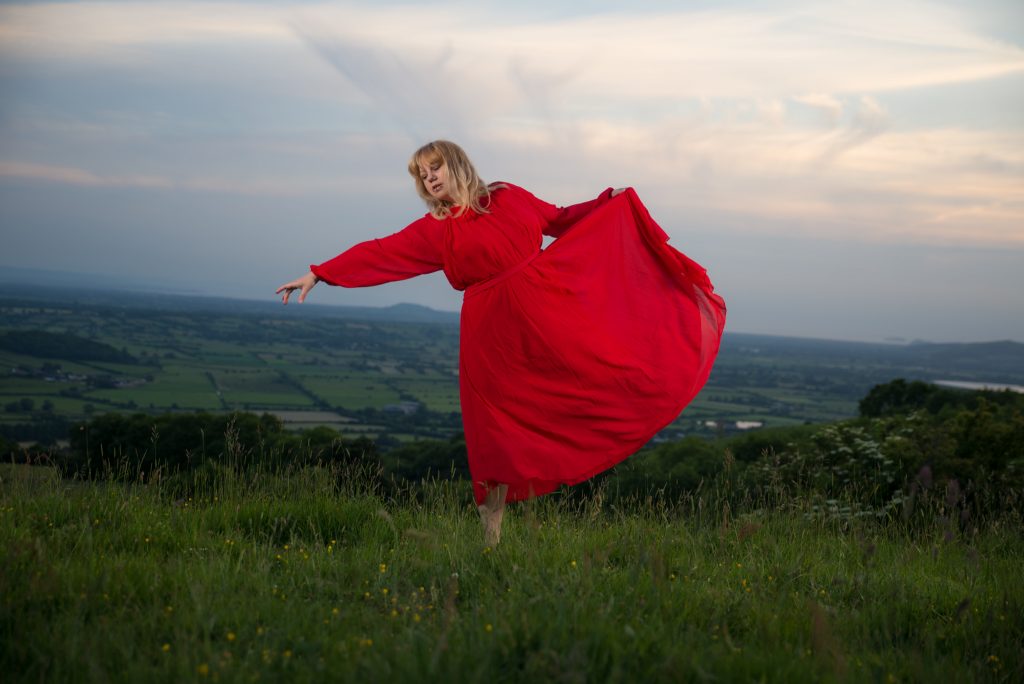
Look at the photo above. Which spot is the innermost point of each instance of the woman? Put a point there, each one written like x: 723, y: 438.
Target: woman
x: 571, y: 358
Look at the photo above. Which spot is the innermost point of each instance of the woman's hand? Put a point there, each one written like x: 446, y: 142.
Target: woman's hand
x: 618, y: 191
x: 303, y: 284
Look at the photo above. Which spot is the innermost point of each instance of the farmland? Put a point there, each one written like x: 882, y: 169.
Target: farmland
x: 392, y: 376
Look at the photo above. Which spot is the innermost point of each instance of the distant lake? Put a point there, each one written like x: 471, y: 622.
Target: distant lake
x: 992, y: 386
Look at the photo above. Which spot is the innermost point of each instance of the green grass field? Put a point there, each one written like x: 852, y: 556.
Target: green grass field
x: 311, y: 576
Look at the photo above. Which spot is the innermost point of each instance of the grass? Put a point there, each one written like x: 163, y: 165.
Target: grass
x: 314, y: 574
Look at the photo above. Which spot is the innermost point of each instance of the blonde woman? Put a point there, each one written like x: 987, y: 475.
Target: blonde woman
x: 571, y: 357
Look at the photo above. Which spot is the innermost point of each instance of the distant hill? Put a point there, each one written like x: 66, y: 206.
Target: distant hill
x: 1003, y: 359
x: 16, y: 295
x: 1002, y: 352
x: 999, y: 362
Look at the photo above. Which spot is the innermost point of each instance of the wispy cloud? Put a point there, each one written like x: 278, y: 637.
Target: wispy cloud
x: 782, y: 49
x: 782, y: 106
x: 829, y: 105
x: 408, y: 90
x: 252, y: 185
x: 75, y: 176
x: 869, y: 121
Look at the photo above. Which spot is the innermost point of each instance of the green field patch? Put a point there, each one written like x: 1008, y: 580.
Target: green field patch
x: 177, y: 386
x: 65, y: 407
x: 775, y: 421
x: 306, y: 363
x: 406, y: 438
x: 351, y: 392
x: 435, y: 395
x: 230, y: 360
x: 9, y: 360
x: 363, y: 430
x: 258, y: 389
x: 720, y: 406
x: 26, y: 386
x: 74, y: 407
x: 119, y: 369
x: 785, y: 395
x: 302, y: 420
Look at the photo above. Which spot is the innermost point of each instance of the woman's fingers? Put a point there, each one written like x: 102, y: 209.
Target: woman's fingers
x: 287, y: 288
x: 303, y: 285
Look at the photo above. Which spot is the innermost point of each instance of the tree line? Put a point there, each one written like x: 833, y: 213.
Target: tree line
x: 54, y: 345
x: 910, y: 438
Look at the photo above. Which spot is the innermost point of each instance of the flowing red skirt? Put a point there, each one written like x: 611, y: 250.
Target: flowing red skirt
x: 573, y: 360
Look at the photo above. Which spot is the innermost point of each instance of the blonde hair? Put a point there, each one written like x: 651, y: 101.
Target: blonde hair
x: 466, y: 188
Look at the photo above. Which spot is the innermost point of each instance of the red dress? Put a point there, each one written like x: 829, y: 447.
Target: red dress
x: 571, y: 358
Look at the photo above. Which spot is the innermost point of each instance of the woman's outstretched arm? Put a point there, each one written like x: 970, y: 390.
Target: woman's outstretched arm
x: 412, y: 251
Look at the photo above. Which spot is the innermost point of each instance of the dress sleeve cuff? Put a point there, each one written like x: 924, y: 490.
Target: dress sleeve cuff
x: 320, y: 274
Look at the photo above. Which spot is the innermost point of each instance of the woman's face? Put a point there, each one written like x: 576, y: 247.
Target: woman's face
x: 434, y: 176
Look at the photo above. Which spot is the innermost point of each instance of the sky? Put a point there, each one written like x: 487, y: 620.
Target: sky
x: 844, y: 170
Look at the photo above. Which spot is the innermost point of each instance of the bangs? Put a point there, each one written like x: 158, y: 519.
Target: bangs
x: 429, y: 155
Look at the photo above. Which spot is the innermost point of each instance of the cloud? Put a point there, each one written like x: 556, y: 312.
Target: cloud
x: 714, y: 110
x: 253, y: 185
x: 784, y: 50
x: 829, y: 105
x: 869, y: 120
x: 74, y: 176
x: 403, y: 88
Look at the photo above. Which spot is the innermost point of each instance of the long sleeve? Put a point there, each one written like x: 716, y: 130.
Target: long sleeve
x: 560, y: 219
x: 413, y: 251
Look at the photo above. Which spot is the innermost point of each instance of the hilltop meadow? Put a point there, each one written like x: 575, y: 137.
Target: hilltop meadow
x: 164, y: 517
x: 323, y: 573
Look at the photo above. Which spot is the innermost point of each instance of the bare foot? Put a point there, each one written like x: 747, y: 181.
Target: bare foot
x: 492, y: 525
x: 492, y: 511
